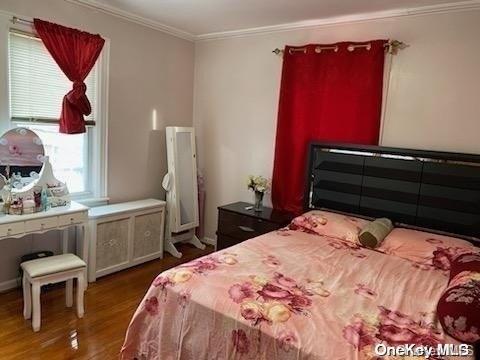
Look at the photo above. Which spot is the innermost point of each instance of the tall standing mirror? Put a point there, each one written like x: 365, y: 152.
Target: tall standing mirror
x: 186, y: 181
x: 182, y: 188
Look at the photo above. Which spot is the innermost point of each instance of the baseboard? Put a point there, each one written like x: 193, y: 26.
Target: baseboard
x: 209, y: 241
x: 9, y: 284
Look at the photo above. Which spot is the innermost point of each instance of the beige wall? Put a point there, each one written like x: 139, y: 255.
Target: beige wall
x: 149, y: 70
x: 433, y: 99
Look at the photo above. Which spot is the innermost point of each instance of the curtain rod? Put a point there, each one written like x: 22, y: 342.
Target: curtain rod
x: 392, y: 48
x: 16, y: 20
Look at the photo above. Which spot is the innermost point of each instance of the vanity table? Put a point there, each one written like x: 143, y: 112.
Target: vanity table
x: 28, y: 185
x: 73, y: 215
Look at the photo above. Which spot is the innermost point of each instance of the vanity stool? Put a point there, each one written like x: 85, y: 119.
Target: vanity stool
x: 50, y: 270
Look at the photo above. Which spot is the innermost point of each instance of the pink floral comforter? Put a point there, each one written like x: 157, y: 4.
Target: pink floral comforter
x: 287, y: 295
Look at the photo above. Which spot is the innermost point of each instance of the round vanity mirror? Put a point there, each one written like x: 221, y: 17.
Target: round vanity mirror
x: 21, y: 156
x: 27, y: 175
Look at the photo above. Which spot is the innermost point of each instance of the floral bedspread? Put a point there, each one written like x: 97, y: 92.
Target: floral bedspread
x: 287, y: 295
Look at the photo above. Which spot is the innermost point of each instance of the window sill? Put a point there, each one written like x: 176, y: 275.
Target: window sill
x: 91, y: 201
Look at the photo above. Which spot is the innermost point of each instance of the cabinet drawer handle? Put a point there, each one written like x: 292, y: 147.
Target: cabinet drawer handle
x: 246, y: 228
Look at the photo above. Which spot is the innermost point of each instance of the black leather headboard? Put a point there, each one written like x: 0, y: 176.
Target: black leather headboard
x: 429, y: 189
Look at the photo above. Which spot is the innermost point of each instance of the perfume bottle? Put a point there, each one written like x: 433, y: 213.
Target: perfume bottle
x: 7, y: 203
x: 44, y: 199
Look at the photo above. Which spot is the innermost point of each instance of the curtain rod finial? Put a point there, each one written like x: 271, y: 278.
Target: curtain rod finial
x: 277, y: 51
x: 395, y: 45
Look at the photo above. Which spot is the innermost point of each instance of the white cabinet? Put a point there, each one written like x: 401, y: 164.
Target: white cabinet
x: 124, y: 235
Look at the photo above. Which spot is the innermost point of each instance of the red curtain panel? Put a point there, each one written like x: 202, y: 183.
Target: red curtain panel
x: 75, y: 52
x: 328, y: 93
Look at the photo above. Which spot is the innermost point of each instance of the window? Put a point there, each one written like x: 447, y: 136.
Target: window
x: 37, y: 87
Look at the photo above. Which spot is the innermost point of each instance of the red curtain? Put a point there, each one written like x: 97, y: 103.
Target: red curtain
x: 325, y: 95
x: 75, y: 52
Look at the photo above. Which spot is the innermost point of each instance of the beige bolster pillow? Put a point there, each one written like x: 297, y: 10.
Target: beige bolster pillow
x: 373, y: 233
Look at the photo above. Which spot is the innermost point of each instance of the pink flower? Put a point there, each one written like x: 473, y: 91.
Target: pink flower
x: 240, y: 341
x: 151, y: 305
x: 364, y: 291
x: 251, y: 310
x: 202, y: 265
x: 441, y: 259
x: 358, y: 334
x: 287, y: 340
x: 273, y: 292
x: 397, y: 328
x: 271, y: 261
x: 284, y: 281
x: 427, y: 339
x: 307, y: 224
x: 389, y: 317
x: 300, y: 301
x: 184, y: 298
x: 161, y: 281
x: 395, y: 335
x: 240, y: 292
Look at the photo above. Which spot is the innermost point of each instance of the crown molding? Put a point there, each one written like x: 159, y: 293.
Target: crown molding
x: 348, y: 19
x: 126, y: 15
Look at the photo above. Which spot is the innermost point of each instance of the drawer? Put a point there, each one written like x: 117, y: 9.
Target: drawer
x: 243, y: 227
x: 43, y: 224
x: 12, y: 229
x: 224, y: 241
x: 71, y: 219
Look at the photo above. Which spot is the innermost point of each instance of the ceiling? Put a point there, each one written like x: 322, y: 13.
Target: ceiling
x: 202, y: 17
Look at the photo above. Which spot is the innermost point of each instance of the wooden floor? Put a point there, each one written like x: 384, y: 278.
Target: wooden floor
x: 109, y: 306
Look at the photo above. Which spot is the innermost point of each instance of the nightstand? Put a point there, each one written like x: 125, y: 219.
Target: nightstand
x: 237, y: 224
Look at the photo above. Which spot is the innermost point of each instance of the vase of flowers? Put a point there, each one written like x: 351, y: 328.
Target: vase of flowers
x: 259, y: 185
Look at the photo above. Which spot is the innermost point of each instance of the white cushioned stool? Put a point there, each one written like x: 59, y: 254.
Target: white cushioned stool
x: 50, y: 270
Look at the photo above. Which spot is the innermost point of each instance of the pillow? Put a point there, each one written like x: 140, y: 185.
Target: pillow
x: 373, y: 233
x: 458, y: 309
x: 465, y: 262
x: 425, y: 249
x: 329, y: 224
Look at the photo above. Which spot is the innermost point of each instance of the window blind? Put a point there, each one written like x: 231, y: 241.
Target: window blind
x: 37, y: 84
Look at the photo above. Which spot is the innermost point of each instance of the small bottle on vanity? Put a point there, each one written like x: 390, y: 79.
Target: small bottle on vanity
x: 44, y: 200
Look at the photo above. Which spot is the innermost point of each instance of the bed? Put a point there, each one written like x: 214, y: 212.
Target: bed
x: 301, y: 293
